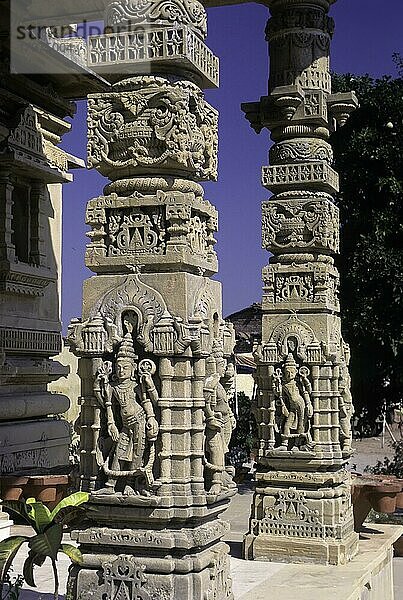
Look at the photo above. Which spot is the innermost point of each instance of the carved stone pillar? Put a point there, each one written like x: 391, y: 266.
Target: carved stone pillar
x: 302, y: 507
x: 153, y: 347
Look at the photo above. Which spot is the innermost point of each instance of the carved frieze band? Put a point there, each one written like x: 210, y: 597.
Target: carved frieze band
x: 301, y: 150
x: 26, y: 341
x: 145, y: 48
x: 316, y: 175
x: 134, y: 13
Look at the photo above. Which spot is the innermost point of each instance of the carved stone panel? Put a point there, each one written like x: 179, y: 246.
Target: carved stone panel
x: 155, y: 126
x: 133, y: 13
x: 172, y: 229
x: 309, y: 175
x: 309, y: 286
x: 125, y: 579
x: 311, y: 223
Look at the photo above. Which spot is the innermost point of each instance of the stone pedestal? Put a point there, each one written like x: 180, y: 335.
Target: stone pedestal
x: 156, y: 368
x: 302, y: 510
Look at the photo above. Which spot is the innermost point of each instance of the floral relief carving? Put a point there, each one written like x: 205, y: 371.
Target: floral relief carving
x: 305, y: 224
x: 161, y: 124
x: 301, y: 149
x: 138, y: 12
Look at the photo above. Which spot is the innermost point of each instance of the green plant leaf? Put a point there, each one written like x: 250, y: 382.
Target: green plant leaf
x: 69, y: 515
x: 39, y: 513
x: 73, y: 500
x: 18, y: 507
x: 28, y: 570
x: 73, y: 553
x: 48, y: 542
x: 8, y: 550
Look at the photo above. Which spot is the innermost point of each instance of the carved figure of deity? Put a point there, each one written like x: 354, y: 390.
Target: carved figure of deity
x: 346, y: 408
x: 132, y: 427
x: 293, y: 390
x: 220, y: 421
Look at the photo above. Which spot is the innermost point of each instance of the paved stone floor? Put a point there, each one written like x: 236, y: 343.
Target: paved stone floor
x: 246, y: 575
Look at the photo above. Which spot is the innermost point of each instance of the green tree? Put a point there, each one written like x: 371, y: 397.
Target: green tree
x: 369, y: 158
x: 47, y: 542
x: 244, y: 438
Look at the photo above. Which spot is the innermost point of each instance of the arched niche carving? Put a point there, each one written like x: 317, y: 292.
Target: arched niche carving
x: 133, y: 295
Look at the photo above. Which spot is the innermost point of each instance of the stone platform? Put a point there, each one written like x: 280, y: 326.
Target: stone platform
x: 368, y: 576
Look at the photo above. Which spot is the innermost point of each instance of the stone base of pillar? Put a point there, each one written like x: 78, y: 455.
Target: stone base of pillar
x: 302, y: 517
x: 290, y: 550
x: 153, y: 565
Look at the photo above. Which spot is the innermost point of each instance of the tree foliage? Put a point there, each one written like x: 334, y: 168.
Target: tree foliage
x: 244, y: 438
x: 369, y: 158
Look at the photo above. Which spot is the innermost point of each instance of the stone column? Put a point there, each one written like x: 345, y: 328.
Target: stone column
x: 153, y: 347
x: 302, y: 507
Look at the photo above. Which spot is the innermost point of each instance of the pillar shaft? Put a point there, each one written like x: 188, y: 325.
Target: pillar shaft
x: 302, y: 508
x: 153, y: 347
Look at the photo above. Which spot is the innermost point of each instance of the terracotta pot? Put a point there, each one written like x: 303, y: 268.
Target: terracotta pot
x: 376, y: 491
x: 382, y: 496
x: 361, y: 505
x: 399, y: 496
x: 12, y: 493
x: 49, y: 489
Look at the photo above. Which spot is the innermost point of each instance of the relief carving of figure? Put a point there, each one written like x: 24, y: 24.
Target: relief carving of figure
x: 128, y: 402
x: 220, y: 421
x: 293, y: 391
x: 346, y: 408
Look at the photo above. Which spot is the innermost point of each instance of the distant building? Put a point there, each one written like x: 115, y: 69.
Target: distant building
x: 248, y: 327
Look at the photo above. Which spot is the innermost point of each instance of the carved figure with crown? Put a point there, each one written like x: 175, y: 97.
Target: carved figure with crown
x: 220, y: 420
x: 128, y: 399
x: 293, y: 390
x: 346, y: 406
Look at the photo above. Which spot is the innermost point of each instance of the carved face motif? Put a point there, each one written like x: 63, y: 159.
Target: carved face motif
x: 124, y: 369
x: 289, y: 374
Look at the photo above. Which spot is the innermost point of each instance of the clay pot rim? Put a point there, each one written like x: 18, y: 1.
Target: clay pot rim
x: 377, y: 480
x: 379, y: 488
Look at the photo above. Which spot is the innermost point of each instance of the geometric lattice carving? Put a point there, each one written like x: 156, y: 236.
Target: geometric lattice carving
x: 285, y: 177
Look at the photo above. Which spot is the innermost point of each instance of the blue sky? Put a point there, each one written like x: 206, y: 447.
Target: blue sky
x: 367, y: 34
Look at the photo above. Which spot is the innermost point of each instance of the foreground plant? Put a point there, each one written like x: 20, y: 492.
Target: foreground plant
x: 47, y: 542
x: 389, y: 466
x: 14, y: 586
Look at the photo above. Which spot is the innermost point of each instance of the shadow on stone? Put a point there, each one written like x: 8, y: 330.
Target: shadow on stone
x: 235, y: 549
x: 33, y: 595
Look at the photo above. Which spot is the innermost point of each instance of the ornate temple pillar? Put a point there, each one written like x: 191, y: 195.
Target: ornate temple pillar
x: 302, y: 509
x: 154, y: 350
